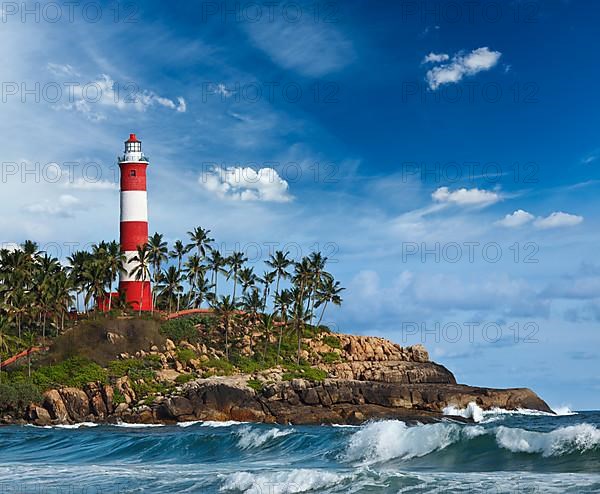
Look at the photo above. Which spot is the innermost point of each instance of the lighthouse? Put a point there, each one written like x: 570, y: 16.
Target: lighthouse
x: 134, y: 223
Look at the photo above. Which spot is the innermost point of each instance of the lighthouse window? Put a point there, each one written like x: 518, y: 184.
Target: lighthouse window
x: 132, y: 173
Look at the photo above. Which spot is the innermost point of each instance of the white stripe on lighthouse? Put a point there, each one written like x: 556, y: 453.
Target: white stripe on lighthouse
x: 134, y: 205
x: 129, y: 265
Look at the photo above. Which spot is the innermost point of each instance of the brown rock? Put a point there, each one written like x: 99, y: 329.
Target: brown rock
x: 76, y: 402
x: 53, y: 402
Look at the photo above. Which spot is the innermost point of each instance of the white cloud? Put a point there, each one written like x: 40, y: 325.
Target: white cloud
x: 516, y: 219
x: 465, y: 197
x: 312, y: 49
x: 435, y: 58
x: 461, y: 65
x: 62, y: 207
x: 558, y: 219
x: 62, y: 70
x: 83, y: 184
x: 105, y: 92
x: 246, y: 184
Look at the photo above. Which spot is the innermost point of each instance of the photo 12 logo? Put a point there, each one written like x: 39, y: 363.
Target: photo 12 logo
x: 69, y: 12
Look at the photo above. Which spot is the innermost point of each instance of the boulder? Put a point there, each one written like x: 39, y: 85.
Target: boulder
x: 53, y: 403
x: 76, y: 402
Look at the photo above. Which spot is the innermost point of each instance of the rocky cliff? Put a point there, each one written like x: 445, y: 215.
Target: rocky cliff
x: 370, y: 378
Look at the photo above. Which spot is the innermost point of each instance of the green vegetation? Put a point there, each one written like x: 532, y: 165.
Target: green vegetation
x: 255, y: 384
x: 330, y: 358
x: 185, y: 355
x: 184, y: 378
x: 16, y: 396
x: 332, y: 341
x: 304, y: 372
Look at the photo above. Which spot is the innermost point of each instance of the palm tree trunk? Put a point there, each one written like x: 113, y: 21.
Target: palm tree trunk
x: 322, y: 313
x: 227, y: 338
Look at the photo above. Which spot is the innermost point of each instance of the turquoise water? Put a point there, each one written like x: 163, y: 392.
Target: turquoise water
x: 502, y: 453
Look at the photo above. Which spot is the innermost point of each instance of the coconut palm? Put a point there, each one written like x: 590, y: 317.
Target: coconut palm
x: 235, y: 262
x: 114, y: 263
x: 283, y: 303
x: 194, y: 271
x: 141, y: 270
x: 302, y: 276
x: 171, y: 285
x: 216, y: 263
x: 279, y: 262
x: 267, y: 280
x: 201, y: 241
x: 158, y: 251
x: 226, y: 309
x: 247, y: 279
x: 328, y: 292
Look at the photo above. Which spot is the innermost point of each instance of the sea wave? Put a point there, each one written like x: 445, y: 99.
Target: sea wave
x: 564, y: 440
x: 254, y: 438
x: 477, y: 414
x: 285, y: 482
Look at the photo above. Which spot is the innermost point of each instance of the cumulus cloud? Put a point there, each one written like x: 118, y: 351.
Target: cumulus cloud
x: 465, y: 197
x: 516, y: 219
x: 63, y: 207
x: 246, y: 184
x: 558, y: 219
x: 461, y: 66
x: 435, y: 58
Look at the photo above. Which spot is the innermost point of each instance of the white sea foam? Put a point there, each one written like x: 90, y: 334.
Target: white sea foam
x: 76, y: 426
x: 188, y: 423
x: 472, y: 411
x: 386, y: 440
x: 128, y: 425
x: 283, y: 482
x: 475, y: 412
x: 225, y: 423
x: 255, y: 438
x: 563, y: 410
x: 570, y: 439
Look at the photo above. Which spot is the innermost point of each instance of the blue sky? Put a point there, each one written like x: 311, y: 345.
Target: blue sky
x: 385, y: 133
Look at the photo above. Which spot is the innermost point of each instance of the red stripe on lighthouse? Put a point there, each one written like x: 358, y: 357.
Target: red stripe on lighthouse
x: 133, y: 234
x: 133, y: 176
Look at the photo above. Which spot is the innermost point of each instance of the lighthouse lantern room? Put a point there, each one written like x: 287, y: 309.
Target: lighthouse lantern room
x: 133, y: 284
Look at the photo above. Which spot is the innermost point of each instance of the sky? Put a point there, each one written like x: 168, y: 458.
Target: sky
x: 443, y: 155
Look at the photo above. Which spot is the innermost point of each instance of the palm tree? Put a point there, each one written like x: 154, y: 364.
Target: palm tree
x: 201, y: 241
x: 279, y: 262
x: 77, y: 263
x: 179, y: 250
x: 171, y: 286
x: 216, y: 263
x: 282, y: 304
x: 235, y: 262
x: 247, y: 279
x: 202, y: 292
x: 158, y: 250
x: 267, y: 280
x: 267, y: 325
x: 226, y: 309
x: 141, y: 270
x: 302, y: 276
x: 328, y: 292
x: 194, y: 272
x: 317, y: 265
x: 114, y: 262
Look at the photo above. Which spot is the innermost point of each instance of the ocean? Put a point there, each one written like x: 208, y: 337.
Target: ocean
x: 526, y: 452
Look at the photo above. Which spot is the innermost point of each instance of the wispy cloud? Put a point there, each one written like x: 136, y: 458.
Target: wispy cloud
x: 308, y: 48
x: 461, y: 65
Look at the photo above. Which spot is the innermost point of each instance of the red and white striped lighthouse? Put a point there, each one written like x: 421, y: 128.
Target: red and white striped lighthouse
x: 134, y: 222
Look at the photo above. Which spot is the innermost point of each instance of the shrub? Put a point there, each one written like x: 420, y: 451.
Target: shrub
x: 223, y: 367
x: 184, y: 328
x: 332, y: 341
x: 118, y: 397
x: 185, y: 355
x: 255, y: 384
x: 17, y: 396
x: 135, y: 368
x: 330, y: 357
x: 304, y: 372
x: 75, y: 372
x: 184, y: 378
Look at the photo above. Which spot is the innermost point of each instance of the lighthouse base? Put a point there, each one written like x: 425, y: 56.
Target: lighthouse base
x: 138, y: 294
